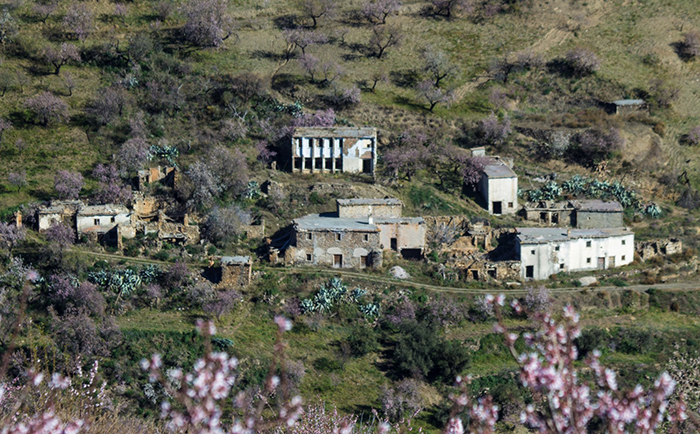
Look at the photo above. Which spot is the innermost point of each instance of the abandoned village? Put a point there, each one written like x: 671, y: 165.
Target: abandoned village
x: 574, y: 235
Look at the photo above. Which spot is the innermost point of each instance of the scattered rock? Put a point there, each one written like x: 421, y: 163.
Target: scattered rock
x: 399, y: 273
x: 588, y: 280
x: 513, y: 285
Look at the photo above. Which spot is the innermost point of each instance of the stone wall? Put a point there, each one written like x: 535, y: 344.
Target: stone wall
x: 235, y: 276
x: 593, y: 219
x: 376, y: 211
x: 324, y: 248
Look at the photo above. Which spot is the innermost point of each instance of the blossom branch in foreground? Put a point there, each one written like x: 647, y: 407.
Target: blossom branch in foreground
x: 202, y: 392
x: 564, y: 404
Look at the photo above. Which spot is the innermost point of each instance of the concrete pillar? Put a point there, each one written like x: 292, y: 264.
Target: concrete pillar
x: 333, y: 156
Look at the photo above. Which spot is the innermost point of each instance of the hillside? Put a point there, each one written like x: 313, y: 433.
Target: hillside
x: 91, y: 93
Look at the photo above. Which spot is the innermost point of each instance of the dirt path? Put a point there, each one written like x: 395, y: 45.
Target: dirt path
x: 690, y: 285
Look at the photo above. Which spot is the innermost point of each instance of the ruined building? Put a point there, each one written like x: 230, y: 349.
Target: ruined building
x: 547, y: 251
x: 334, y: 150
x: 164, y: 175
x: 498, y: 187
x: 582, y: 214
x: 233, y: 272
x: 356, y: 235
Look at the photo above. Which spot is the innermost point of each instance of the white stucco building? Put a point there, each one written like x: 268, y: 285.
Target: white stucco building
x: 101, y: 220
x: 547, y: 251
x: 499, y: 188
x: 334, y: 150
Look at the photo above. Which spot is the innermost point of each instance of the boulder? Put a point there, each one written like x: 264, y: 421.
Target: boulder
x: 588, y: 280
x: 399, y: 272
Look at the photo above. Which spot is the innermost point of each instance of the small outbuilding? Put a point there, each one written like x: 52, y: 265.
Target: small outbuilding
x: 498, y: 187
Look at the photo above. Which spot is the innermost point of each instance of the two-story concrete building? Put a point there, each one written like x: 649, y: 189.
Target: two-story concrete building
x: 334, y: 150
x: 546, y: 251
x: 101, y: 221
x: 498, y: 187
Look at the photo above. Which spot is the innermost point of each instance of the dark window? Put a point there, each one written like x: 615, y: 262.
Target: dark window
x: 556, y: 249
x: 530, y: 271
x: 588, y: 244
x: 96, y: 222
x: 561, y: 266
x: 394, y: 244
x: 510, y: 204
x: 297, y: 163
x: 308, y: 257
x: 113, y: 219
x: 309, y: 236
x: 588, y: 260
x: 318, y: 163
x: 339, y: 237
x: 329, y: 164
x: 555, y: 218
x: 475, y: 274
x: 623, y: 257
x: 624, y: 242
x: 492, y: 273
x: 365, y: 237
x: 532, y: 252
x: 339, y: 164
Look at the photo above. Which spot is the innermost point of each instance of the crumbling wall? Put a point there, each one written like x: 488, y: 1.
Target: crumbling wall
x: 324, y: 248
x: 649, y: 249
x: 234, y: 276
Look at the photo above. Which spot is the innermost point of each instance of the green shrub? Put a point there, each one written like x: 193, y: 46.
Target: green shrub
x: 362, y: 340
x: 325, y: 364
x: 162, y: 256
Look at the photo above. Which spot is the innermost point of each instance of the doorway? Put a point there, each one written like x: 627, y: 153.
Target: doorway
x: 394, y: 244
x: 337, y: 261
x: 601, y: 263
x: 530, y: 271
x: 497, y: 207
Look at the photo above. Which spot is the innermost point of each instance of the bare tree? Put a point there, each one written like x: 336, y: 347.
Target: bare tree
x: 449, y: 8
x: 377, y: 11
x: 79, y: 20
x: 48, y: 108
x: 208, y: 22
x: 582, y: 61
x: 69, y: 82
x: 8, y: 27
x: 434, y: 95
x: 108, y: 105
x: 438, y: 65
x: 132, y: 156
x: 5, y: 125
x: 309, y: 63
x: 303, y: 38
x: 378, y: 76
x: 164, y: 9
x: 383, y: 37
x: 7, y: 81
x: 17, y: 179
x: 58, y: 57
x: 315, y: 9
x: 689, y: 49
x: 44, y: 10
x: 222, y: 224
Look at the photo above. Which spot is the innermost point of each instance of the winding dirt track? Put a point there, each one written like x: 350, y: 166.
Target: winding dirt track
x: 690, y: 285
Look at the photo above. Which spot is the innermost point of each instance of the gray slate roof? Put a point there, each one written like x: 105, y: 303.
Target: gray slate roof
x: 499, y: 170
x: 548, y: 235
x: 359, y: 202
x: 629, y: 102
x: 318, y: 222
x: 107, y: 209
x: 349, y: 132
x: 235, y: 260
x: 597, y: 205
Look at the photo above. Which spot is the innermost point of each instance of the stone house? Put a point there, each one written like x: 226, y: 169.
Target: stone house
x: 649, y: 249
x: 498, y: 187
x: 547, y: 251
x: 353, y: 237
x: 582, y: 214
x: 334, y: 150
